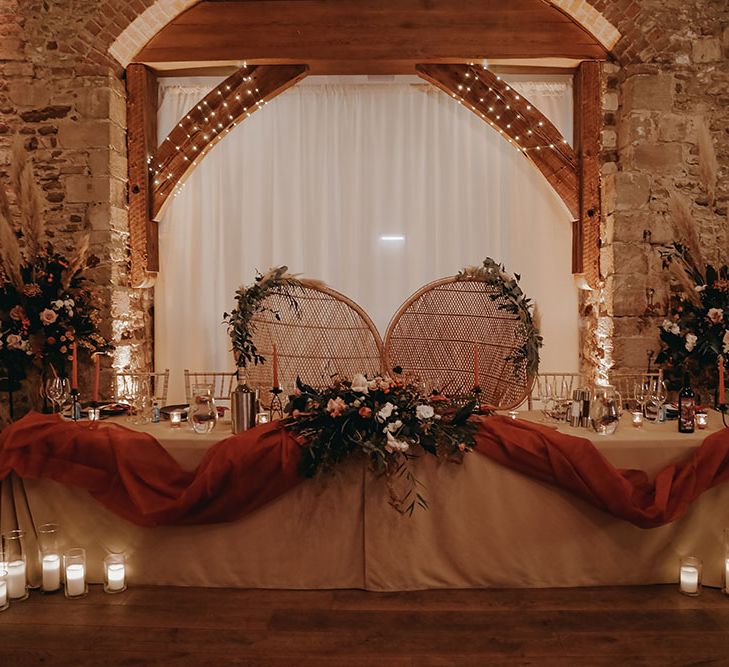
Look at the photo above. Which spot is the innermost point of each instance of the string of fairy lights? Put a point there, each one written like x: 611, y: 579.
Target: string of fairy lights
x: 208, y: 122
x: 473, y: 91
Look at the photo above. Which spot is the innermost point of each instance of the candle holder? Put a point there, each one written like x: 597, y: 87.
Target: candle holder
x: 176, y: 418
x: 94, y: 414
x: 702, y: 420
x: 15, y: 564
x: 689, y: 576
x: 74, y: 571
x: 636, y: 418
x: 115, y: 573
x: 275, y: 409
x: 4, y: 597
x: 262, y: 418
x: 50, y: 558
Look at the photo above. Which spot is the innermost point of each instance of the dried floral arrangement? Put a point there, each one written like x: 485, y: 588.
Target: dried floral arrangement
x: 45, y: 303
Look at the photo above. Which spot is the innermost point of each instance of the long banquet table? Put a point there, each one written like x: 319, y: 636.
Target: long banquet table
x: 487, y: 526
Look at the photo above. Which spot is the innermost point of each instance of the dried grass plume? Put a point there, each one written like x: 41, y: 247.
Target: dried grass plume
x: 708, y: 163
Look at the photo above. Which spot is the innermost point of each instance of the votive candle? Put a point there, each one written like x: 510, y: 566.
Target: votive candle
x: 175, y: 418
x: 94, y: 414
x: 16, y: 587
x: 702, y: 420
x: 115, y: 573
x: 51, y: 566
x: 637, y: 419
x: 4, y: 601
x: 262, y: 418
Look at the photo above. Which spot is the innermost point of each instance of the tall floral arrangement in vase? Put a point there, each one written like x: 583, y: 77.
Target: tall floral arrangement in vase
x: 45, y: 302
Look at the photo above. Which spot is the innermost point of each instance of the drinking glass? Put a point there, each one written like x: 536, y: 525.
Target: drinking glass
x: 544, y: 395
x: 142, y: 405
x: 641, y: 394
x: 74, y: 571
x: 605, y: 409
x: 15, y: 564
x: 58, y: 390
x: 50, y: 557
x: 202, y: 415
x: 656, y: 399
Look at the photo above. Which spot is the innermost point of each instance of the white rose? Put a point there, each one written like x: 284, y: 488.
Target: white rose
x: 395, y: 445
x: 690, y: 342
x: 385, y: 411
x: 57, y: 304
x: 394, y: 426
x: 675, y: 330
x: 666, y: 326
x: 424, y: 412
x: 360, y: 384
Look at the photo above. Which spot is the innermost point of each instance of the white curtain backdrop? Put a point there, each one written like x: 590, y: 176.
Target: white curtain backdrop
x: 322, y: 173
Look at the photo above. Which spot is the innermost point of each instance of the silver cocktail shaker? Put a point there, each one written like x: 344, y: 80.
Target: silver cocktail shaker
x: 243, y: 406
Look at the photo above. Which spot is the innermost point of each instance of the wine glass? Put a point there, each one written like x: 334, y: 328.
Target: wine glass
x: 202, y: 414
x: 641, y: 392
x: 58, y: 390
x: 656, y: 399
x: 545, y: 392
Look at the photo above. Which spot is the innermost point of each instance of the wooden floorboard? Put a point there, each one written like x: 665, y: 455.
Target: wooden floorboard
x: 171, y: 627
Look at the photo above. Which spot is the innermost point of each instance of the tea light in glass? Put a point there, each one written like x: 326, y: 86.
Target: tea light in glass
x: 263, y: 418
x: 513, y: 414
x: 115, y: 573
x: 725, y: 582
x: 94, y: 414
x: 702, y: 420
x: 689, y: 576
x: 17, y: 584
x: 4, y: 597
x: 50, y: 557
x: 176, y: 418
x: 636, y: 419
x: 74, y: 569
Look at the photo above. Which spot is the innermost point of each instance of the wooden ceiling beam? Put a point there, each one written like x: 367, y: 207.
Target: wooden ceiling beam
x: 513, y: 116
x: 371, y: 32
x: 208, y: 121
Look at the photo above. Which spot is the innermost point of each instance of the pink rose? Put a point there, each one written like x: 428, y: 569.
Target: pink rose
x: 14, y: 342
x: 336, y: 406
x: 715, y: 315
x: 48, y: 316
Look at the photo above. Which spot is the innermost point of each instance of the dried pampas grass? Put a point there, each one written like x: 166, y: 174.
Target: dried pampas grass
x: 76, y: 262
x: 10, y: 257
x: 708, y: 163
x: 685, y: 229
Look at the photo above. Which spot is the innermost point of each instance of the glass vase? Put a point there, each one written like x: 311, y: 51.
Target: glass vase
x: 15, y: 564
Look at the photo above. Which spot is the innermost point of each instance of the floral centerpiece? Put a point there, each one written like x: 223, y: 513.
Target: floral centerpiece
x: 696, y: 332
x: 45, y: 304
x: 383, y: 419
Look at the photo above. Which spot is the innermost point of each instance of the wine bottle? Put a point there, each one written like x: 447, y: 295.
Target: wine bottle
x: 686, y: 407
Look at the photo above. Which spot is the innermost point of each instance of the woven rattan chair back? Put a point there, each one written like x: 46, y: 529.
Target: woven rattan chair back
x: 158, y: 383
x: 434, y: 335
x: 221, y: 383
x: 326, y: 336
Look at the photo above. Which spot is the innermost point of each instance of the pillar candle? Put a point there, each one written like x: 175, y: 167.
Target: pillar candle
x: 476, y: 381
x: 3, y: 594
x: 16, y: 579
x: 51, y: 572
x: 74, y: 366
x: 275, y: 366
x: 726, y: 576
x: 75, y: 579
x: 97, y: 373
x: 689, y: 579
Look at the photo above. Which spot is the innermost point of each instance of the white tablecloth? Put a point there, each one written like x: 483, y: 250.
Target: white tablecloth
x: 486, y: 526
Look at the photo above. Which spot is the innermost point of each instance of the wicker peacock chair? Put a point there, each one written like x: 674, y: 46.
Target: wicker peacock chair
x: 328, y: 335
x: 433, y: 335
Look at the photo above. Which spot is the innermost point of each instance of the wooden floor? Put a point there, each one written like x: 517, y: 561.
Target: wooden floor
x: 168, y: 627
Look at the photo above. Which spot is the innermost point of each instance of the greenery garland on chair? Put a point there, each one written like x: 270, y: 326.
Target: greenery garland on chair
x: 505, y: 287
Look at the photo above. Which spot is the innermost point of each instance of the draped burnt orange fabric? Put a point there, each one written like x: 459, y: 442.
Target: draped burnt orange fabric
x: 132, y: 474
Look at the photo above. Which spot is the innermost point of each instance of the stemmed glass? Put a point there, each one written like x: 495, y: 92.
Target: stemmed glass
x: 642, y: 391
x: 656, y: 398
x: 58, y: 390
x: 544, y: 395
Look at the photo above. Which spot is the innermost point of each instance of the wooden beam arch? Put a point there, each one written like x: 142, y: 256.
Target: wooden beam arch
x: 573, y: 175
x: 156, y: 176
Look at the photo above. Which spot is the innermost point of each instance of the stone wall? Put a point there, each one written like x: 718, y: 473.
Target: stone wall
x: 654, y: 111
x: 64, y: 95
x: 71, y: 115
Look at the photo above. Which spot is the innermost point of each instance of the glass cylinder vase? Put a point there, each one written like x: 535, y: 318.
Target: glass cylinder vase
x: 50, y: 557
x: 74, y: 573
x: 4, y: 597
x: 15, y: 564
x: 689, y: 576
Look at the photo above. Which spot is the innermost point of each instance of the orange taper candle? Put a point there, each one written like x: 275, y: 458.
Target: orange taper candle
x: 275, y: 366
x: 722, y: 401
x: 74, y: 366
x: 476, y: 382
x: 97, y: 374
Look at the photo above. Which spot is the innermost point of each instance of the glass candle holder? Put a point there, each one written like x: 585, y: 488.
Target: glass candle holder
x: 15, y: 565
x: 513, y: 414
x: 74, y: 570
x: 176, y: 418
x: 4, y: 597
x: 725, y: 571
x: 689, y: 576
x: 636, y: 418
x: 50, y: 557
x: 702, y: 420
x: 115, y: 573
x: 94, y: 414
x: 263, y: 418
